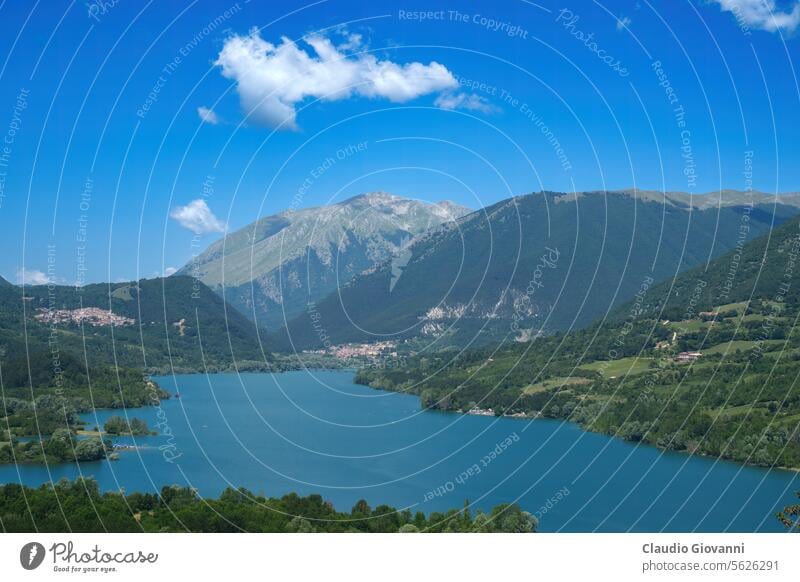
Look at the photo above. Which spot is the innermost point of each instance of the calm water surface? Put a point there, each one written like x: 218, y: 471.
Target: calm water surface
x: 317, y: 432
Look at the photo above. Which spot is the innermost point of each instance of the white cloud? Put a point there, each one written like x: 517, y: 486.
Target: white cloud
x: 469, y: 101
x: 197, y: 217
x: 623, y: 23
x: 207, y: 115
x: 354, y: 41
x: 273, y: 79
x: 31, y: 277
x: 762, y: 14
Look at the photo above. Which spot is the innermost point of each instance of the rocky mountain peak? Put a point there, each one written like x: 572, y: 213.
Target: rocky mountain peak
x: 279, y: 263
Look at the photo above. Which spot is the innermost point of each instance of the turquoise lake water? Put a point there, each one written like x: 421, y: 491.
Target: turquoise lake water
x: 317, y: 432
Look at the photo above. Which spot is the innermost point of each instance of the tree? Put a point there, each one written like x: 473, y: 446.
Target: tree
x: 92, y: 449
x: 790, y: 516
x: 300, y: 525
x: 59, y: 446
x: 116, y: 425
x: 361, y: 508
x: 139, y: 427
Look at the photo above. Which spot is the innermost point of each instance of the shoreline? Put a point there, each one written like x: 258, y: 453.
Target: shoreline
x: 488, y: 412
x: 35, y: 475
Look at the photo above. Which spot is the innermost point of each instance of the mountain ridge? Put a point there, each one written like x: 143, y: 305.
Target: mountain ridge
x: 606, y: 250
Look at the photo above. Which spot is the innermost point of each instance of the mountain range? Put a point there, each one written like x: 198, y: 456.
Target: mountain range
x: 378, y: 266
x: 271, y: 269
x: 535, y: 264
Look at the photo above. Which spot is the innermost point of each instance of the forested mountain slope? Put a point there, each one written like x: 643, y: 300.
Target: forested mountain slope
x: 538, y: 263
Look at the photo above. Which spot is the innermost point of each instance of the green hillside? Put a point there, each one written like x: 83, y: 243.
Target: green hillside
x: 179, y: 324
x: 760, y: 270
x: 718, y: 379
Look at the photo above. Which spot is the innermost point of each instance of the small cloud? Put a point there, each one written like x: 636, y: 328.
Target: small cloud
x: 469, y: 101
x: 354, y: 41
x: 197, y: 217
x: 207, y: 115
x: 762, y: 14
x: 31, y: 277
x: 623, y: 23
x: 272, y: 79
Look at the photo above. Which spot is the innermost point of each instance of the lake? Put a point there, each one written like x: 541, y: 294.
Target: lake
x: 317, y: 432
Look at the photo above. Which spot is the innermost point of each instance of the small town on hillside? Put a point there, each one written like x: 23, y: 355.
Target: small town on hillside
x: 92, y: 316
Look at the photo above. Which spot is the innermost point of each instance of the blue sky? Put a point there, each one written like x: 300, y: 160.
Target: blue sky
x: 124, y: 123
